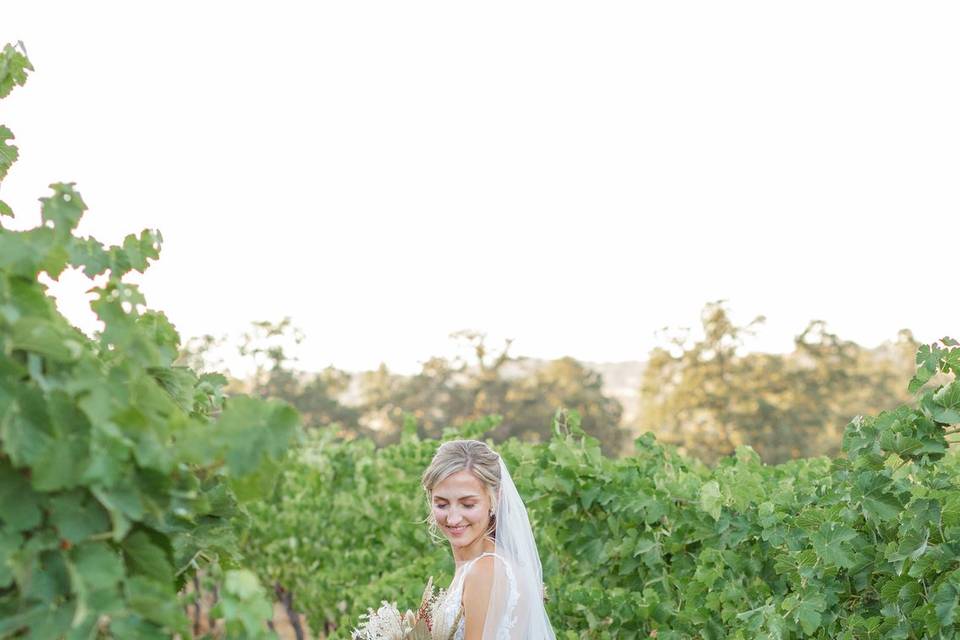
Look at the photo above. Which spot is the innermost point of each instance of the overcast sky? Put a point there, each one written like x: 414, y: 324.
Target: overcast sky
x: 571, y: 175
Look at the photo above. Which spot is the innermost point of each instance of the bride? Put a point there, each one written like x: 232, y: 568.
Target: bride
x: 498, y: 580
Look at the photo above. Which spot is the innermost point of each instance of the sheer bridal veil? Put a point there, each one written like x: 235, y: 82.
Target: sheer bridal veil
x: 516, y: 610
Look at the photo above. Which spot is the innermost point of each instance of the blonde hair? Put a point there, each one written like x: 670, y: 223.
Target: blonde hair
x: 462, y: 455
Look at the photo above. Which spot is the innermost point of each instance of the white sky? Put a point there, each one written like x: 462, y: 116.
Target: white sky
x: 572, y: 175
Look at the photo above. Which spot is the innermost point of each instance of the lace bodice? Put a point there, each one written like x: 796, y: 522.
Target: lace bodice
x: 454, y: 599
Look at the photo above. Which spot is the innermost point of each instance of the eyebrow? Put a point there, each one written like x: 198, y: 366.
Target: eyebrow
x: 461, y: 497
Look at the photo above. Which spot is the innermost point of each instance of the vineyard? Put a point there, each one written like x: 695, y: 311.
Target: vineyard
x: 864, y: 546
x: 129, y: 483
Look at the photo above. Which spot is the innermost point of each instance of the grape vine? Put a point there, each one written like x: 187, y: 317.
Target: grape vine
x: 121, y: 474
x: 863, y: 546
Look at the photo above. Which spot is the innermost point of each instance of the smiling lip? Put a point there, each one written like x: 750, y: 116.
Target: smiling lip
x: 457, y: 531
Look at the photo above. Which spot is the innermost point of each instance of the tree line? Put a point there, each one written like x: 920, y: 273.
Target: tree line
x: 704, y: 394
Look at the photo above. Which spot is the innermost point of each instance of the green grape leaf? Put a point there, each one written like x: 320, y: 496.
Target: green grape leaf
x: 71, y: 620
x: 63, y: 209
x: 27, y: 433
x: 928, y: 361
x: 137, y: 250
x: 242, y: 584
x: 946, y: 600
x: 134, y: 626
x: 48, y: 338
x: 873, y: 491
x: 124, y: 505
x: 77, y: 516
x: 10, y: 542
x: 710, y: 499
x: 62, y: 445
x: 808, y: 613
x: 830, y: 544
x: 19, y: 503
x: 946, y: 403
x: 164, y: 335
x: 251, y: 430
x: 8, y: 152
x: 89, y: 254
x: 144, y: 557
x: 810, y: 519
x: 155, y: 601
x: 882, y: 507
x: 912, y: 545
x: 257, y: 484
x: 951, y: 361
x: 28, y: 618
x: 98, y: 565
x: 13, y: 69
x: 27, y: 253
x: 244, y: 604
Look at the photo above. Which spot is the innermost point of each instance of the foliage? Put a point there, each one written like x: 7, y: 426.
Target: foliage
x: 492, y: 383
x: 266, y: 347
x: 567, y: 383
x: 315, y: 396
x: 120, y: 473
x: 864, y: 546
x: 243, y: 604
x: 708, y: 398
x: 342, y: 532
x: 375, y: 404
x: 704, y: 396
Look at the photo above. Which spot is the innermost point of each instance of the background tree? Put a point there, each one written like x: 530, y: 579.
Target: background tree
x: 271, y: 373
x: 565, y: 383
x: 708, y: 397
x: 445, y: 392
x: 693, y: 394
x: 433, y: 398
x: 490, y: 381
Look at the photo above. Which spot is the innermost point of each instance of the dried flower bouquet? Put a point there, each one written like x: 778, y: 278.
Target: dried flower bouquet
x: 387, y: 623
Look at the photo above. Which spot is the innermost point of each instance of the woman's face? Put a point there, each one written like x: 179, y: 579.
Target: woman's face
x: 461, y: 506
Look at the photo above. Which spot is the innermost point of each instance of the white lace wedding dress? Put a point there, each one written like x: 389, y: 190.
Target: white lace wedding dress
x: 454, y: 597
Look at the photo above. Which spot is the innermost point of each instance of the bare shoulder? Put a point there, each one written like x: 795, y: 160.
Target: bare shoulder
x: 479, y: 579
x: 476, y: 595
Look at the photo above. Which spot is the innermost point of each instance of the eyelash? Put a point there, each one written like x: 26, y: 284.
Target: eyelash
x: 443, y: 506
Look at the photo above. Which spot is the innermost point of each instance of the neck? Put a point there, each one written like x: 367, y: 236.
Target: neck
x: 473, y: 550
